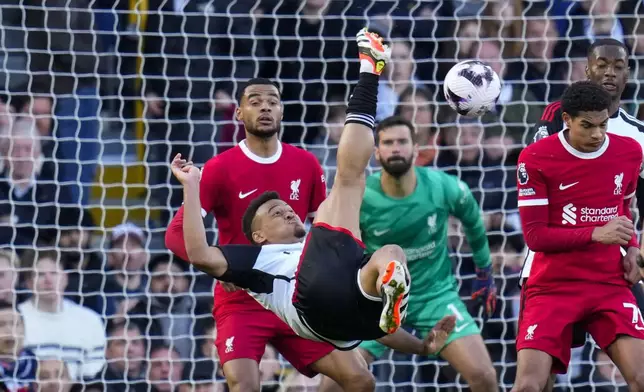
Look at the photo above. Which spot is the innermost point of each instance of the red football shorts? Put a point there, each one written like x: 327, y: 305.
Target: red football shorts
x: 547, y: 317
x: 244, y: 334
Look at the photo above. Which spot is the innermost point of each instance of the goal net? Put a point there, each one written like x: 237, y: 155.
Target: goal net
x: 98, y: 96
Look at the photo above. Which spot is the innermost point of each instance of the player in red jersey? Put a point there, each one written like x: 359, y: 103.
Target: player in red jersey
x: 228, y: 184
x: 607, y: 64
x: 575, y: 189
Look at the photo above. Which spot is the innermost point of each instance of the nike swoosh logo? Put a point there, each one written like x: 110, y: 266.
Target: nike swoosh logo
x: 462, y: 327
x: 245, y: 195
x: 378, y: 233
x: 563, y: 187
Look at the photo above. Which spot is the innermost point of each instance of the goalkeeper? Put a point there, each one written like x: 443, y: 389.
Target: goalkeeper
x: 410, y: 206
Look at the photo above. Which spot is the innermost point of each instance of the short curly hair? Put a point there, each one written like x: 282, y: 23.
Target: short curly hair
x: 584, y: 96
x: 251, y: 211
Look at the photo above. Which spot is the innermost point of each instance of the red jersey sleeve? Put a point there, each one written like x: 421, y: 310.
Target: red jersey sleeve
x: 209, y: 186
x: 533, y: 209
x: 319, y: 186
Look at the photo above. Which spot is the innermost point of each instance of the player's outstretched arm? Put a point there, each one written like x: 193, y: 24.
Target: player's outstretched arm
x: 405, y: 342
x: 205, y: 258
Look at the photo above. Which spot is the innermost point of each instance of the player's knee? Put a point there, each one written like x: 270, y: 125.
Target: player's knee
x: 239, y: 383
x: 483, y: 379
x: 394, y: 252
x: 527, y: 385
x: 359, y: 380
x: 637, y: 383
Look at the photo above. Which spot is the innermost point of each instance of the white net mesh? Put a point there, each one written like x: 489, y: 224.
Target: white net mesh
x: 98, y: 156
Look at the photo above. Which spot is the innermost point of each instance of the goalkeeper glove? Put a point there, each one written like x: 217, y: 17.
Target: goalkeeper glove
x: 484, y: 291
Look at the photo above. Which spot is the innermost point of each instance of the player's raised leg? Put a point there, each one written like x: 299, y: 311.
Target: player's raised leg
x: 341, y: 209
x: 385, y: 275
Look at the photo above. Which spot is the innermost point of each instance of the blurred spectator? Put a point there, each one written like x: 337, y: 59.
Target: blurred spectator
x: 399, y: 77
x: 84, y: 265
x: 180, y: 93
x: 164, y: 368
x: 516, y: 106
x: 125, y: 354
x: 463, y: 155
x: 325, y: 147
x: 542, y: 71
x: 53, y: 376
x: 73, y: 65
x: 30, y: 199
x: 309, y: 61
x: 200, y: 377
x: 25, y: 80
x: 59, y: 328
x: 125, y: 280
x: 17, y: 365
x: 270, y: 370
x: 505, y: 24
x: 417, y: 106
x: 169, y: 312
x: 297, y: 382
x: 9, y: 270
x: 204, y: 368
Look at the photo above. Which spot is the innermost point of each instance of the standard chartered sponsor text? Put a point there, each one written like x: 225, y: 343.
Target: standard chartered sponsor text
x: 420, y: 253
x: 593, y: 215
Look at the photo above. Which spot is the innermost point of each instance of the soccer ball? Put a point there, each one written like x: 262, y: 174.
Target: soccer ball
x: 472, y: 88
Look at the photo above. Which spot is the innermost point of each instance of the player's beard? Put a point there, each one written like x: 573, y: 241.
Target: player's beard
x: 265, y: 133
x: 396, y: 166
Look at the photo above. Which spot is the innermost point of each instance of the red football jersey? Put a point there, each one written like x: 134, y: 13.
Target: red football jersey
x: 563, y: 195
x: 231, y: 180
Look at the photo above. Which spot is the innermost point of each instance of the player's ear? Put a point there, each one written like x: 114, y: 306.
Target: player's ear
x: 376, y: 153
x: 238, y: 114
x: 258, y: 237
x: 416, y: 151
x: 566, y: 119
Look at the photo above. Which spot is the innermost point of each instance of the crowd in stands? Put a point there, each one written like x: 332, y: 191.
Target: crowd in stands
x: 104, y: 307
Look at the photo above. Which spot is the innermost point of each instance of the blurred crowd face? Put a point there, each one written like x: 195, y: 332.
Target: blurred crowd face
x: 208, y: 348
x: 164, y: 369
x: 490, y: 53
x: 417, y: 110
x: 53, y: 376
x: 126, y: 350
x: 22, y: 157
x: 12, y: 332
x: 48, y: 280
x: 335, y: 125
x: 74, y: 244
x: 601, y: 7
x: 503, y: 10
x: 465, y: 141
x: 168, y: 280
x: 402, y: 64
x: 468, y: 36
x: 127, y: 255
x: 8, y: 279
x: 542, y: 38
x: 261, y: 110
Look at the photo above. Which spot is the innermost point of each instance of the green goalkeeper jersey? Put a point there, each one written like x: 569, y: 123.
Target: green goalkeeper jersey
x: 418, y: 223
